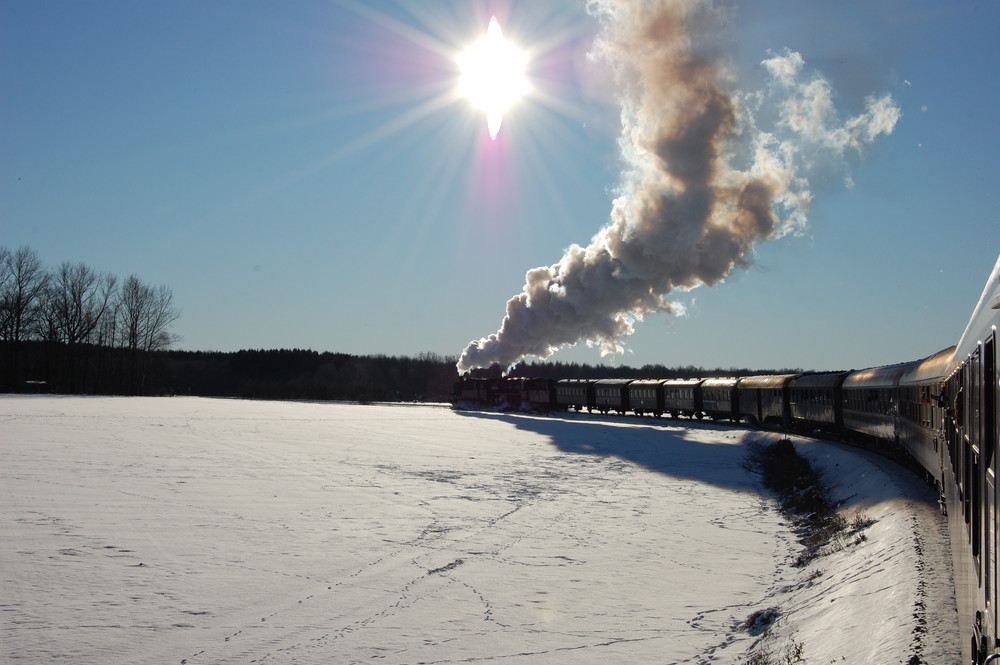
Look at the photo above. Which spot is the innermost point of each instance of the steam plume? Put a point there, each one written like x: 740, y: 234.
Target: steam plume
x: 702, y: 183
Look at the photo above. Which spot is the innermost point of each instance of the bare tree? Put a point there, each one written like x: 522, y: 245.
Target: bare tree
x: 76, y: 301
x: 22, y: 285
x: 144, y: 316
x: 6, y: 277
x: 80, y: 298
x: 163, y: 314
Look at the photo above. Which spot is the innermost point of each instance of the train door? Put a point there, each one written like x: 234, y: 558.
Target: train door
x: 952, y: 431
x: 975, y: 475
x: 989, y: 445
x: 962, y: 453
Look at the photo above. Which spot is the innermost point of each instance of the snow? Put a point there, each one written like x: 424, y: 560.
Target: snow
x: 190, y: 530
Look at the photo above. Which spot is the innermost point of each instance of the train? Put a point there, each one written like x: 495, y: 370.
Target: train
x: 937, y: 416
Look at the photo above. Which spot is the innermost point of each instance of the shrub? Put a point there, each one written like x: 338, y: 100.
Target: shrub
x: 801, y: 494
x: 758, y: 622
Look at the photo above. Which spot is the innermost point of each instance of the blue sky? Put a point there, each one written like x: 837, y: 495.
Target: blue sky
x: 300, y: 175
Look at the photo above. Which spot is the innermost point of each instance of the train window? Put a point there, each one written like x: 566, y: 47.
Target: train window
x: 977, y: 504
x: 976, y: 394
x: 958, y: 436
x: 966, y: 480
x: 989, y: 388
x: 989, y: 535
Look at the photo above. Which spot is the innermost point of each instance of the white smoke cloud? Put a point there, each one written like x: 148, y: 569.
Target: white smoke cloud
x: 808, y: 109
x: 702, y: 183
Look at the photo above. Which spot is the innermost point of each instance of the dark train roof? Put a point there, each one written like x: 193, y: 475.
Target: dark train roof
x: 826, y: 380
x: 647, y: 382
x: 766, y: 381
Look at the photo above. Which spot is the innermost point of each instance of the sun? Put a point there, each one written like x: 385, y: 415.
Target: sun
x: 493, y: 75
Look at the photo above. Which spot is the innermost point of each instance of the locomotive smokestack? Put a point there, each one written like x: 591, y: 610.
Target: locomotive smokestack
x: 702, y: 183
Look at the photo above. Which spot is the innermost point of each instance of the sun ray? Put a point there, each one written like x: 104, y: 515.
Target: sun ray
x: 410, y: 33
x: 545, y: 80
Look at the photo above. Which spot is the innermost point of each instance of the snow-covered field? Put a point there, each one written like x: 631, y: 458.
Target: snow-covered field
x: 186, y: 530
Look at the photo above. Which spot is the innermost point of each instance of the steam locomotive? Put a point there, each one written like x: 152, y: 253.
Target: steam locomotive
x: 937, y: 415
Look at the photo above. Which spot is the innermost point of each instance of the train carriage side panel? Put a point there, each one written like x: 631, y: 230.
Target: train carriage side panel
x: 474, y: 390
x: 576, y: 394
x: 541, y: 394
x: 815, y: 402
x: 971, y: 430
x: 747, y: 401
x: 870, y: 403
x: 646, y: 397
x: 682, y: 397
x: 719, y: 399
x: 611, y: 395
x: 921, y: 413
x: 768, y: 394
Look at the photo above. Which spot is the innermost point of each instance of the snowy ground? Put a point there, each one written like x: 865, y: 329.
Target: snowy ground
x: 192, y: 530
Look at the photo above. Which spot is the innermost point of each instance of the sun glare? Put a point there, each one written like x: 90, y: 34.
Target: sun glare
x: 493, y: 75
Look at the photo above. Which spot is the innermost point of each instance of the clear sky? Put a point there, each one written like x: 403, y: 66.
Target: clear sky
x: 303, y: 175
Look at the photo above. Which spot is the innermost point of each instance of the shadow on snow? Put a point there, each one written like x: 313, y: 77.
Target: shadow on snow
x: 692, y: 450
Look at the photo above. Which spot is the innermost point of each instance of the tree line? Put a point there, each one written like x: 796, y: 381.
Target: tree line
x: 302, y: 374
x: 72, y: 329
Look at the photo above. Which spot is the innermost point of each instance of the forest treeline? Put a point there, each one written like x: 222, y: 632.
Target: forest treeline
x: 299, y: 374
x: 71, y: 329
x: 304, y: 375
